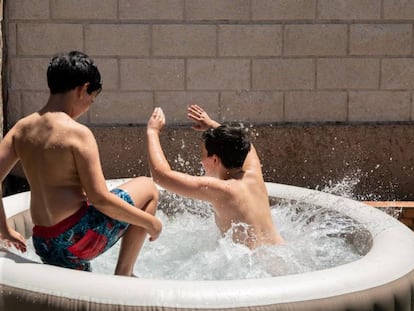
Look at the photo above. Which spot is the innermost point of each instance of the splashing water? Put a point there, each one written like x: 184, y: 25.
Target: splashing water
x: 192, y: 248
x: 346, y: 188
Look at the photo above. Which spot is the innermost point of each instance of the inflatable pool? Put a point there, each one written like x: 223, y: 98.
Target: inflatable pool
x: 380, y: 280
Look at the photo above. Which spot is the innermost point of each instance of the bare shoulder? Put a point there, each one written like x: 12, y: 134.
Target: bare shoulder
x: 227, y: 190
x: 47, y: 126
x: 231, y: 187
x: 249, y: 187
x: 21, y: 129
x: 55, y: 135
x: 24, y: 122
x: 81, y: 131
x: 74, y: 133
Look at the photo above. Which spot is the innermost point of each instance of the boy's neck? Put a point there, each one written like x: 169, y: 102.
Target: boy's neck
x: 233, y: 173
x: 59, y: 103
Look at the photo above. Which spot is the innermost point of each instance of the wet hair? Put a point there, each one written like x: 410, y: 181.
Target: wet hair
x: 229, y: 142
x: 67, y: 71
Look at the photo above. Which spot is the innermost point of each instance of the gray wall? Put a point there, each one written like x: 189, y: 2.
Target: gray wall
x: 258, y: 60
x: 276, y: 64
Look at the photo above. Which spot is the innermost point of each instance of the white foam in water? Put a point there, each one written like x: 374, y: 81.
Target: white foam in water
x: 191, y: 247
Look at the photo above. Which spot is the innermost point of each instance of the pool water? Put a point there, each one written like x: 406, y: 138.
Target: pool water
x: 191, y: 247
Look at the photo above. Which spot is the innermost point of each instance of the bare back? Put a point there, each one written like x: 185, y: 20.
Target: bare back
x: 244, y: 205
x: 44, y: 144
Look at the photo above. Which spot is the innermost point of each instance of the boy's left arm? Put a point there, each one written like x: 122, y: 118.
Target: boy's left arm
x: 252, y: 161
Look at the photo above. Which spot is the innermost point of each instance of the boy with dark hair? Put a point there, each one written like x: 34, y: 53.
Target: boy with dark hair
x: 229, y: 143
x: 233, y: 183
x: 75, y: 217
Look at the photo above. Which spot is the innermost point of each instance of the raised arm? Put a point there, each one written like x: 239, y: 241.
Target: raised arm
x: 197, y: 187
x: 203, y: 122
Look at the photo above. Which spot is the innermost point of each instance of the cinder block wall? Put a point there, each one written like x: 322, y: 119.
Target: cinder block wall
x: 291, y: 68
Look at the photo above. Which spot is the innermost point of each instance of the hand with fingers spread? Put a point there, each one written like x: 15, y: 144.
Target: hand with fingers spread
x: 202, y: 120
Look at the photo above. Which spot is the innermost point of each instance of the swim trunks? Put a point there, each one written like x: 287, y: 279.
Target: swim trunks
x: 81, y: 237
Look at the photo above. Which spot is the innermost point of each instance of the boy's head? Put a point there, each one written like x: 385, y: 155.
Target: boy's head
x: 70, y: 70
x: 229, y: 143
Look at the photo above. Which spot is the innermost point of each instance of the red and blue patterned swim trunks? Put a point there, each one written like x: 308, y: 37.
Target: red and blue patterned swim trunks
x: 81, y: 237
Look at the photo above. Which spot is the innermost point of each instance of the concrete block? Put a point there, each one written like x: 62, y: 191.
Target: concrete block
x: 13, y: 108
x: 121, y: 108
x: 184, y: 40
x: 283, y: 9
x: 218, y: 74
x: 245, y: 106
x: 29, y: 73
x: 380, y: 39
x: 174, y: 105
x: 315, y: 40
x: 151, y: 74
x: 412, y: 107
x: 33, y: 101
x: 81, y: 9
x: 217, y: 10
x: 379, y: 106
x: 151, y: 9
x: 48, y: 39
x: 250, y: 40
x: 348, y: 73
x: 397, y: 73
x: 109, y: 70
x: 315, y: 106
x: 398, y: 9
x: 117, y: 40
x: 11, y: 39
x: 283, y: 74
x: 349, y: 9
x: 26, y: 10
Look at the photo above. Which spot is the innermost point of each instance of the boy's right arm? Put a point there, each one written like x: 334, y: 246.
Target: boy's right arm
x: 8, y: 158
x: 196, y: 187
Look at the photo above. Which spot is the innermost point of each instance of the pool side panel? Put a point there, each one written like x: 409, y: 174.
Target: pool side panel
x: 394, y: 296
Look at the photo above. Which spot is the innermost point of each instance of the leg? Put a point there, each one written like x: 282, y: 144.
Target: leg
x: 145, y: 196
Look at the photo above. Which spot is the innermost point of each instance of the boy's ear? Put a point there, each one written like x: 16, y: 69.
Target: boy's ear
x: 216, y: 159
x: 82, y: 89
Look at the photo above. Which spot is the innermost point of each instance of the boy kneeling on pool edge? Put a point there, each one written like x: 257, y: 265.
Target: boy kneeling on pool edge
x: 233, y: 183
